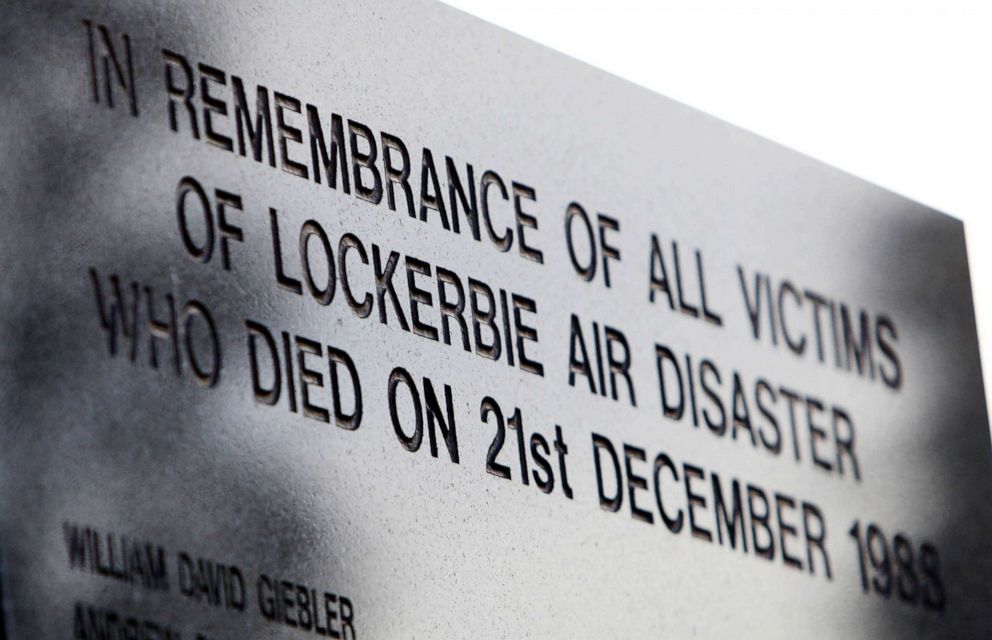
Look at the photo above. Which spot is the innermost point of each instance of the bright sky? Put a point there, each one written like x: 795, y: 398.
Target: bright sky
x: 898, y: 92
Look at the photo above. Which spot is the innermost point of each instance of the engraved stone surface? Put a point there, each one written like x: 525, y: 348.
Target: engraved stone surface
x: 371, y: 320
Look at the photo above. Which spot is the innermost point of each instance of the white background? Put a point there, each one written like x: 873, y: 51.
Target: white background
x: 898, y: 92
